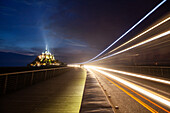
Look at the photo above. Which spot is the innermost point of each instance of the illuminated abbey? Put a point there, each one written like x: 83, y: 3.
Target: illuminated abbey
x: 45, y: 59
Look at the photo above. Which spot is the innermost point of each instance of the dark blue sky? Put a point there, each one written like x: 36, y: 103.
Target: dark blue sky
x: 74, y: 30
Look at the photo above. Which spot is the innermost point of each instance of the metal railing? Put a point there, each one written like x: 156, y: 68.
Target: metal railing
x: 160, y: 71
x: 10, y: 82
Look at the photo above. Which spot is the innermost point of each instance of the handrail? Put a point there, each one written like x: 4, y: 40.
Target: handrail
x: 31, y: 71
x: 147, y: 66
x: 141, y: 66
x: 20, y: 80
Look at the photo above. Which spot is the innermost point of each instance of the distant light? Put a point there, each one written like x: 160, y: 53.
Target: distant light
x: 70, y: 65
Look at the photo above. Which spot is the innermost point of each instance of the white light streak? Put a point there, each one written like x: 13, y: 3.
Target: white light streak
x: 144, y: 91
x: 141, y: 34
x: 136, y: 45
x: 126, y: 32
x: 73, y: 65
x: 132, y: 74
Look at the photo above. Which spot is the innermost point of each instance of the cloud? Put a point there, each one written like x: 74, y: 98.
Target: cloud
x: 73, y: 43
x: 26, y: 2
x: 6, y: 14
x: 31, y: 2
x: 22, y: 52
x: 6, y: 8
x: 7, y: 11
x: 1, y: 41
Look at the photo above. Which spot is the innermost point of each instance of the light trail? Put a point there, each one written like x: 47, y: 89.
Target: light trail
x: 72, y: 65
x: 136, y: 45
x: 142, y: 90
x: 126, y: 32
x: 148, y: 87
x: 165, y: 20
x: 138, y: 95
x: 131, y: 74
x: 132, y: 96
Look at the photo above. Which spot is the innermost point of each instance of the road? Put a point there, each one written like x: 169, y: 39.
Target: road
x: 133, y: 94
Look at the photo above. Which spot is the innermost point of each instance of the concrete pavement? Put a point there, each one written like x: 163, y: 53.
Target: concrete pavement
x: 94, y: 99
x: 66, y: 93
x: 61, y: 94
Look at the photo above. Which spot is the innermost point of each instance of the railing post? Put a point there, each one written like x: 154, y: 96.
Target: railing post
x: 24, y: 80
x: 149, y: 70
x: 32, y: 77
x: 45, y: 75
x: 5, y: 84
x: 140, y: 70
x: 16, y: 82
x: 162, y: 73
x: 53, y: 72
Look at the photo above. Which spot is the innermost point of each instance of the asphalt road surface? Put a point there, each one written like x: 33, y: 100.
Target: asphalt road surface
x: 125, y: 99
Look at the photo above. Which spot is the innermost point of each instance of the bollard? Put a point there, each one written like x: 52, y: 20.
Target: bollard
x: 116, y: 107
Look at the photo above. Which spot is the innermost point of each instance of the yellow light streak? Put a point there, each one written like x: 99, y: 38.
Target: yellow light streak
x: 144, y: 91
x: 141, y: 34
x: 133, y: 74
x: 132, y: 96
x: 139, y: 95
x: 136, y: 45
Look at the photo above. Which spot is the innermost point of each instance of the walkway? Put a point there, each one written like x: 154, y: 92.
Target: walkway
x: 94, y: 99
x: 62, y: 94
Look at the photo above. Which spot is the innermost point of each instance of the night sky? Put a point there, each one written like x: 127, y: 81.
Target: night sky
x: 74, y: 30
